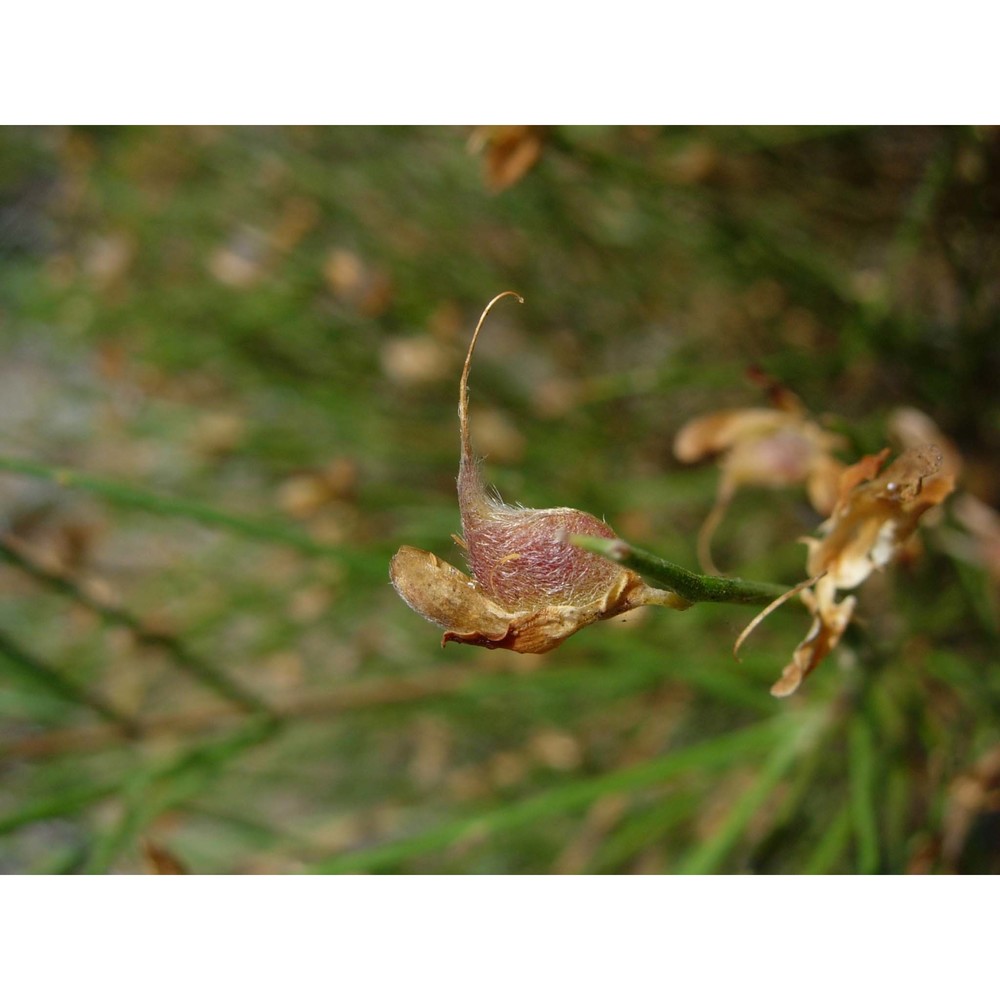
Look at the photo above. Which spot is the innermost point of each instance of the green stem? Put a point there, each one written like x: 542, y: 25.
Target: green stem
x: 50, y: 679
x: 693, y: 587
x: 574, y: 795
x: 126, y: 495
x: 14, y: 553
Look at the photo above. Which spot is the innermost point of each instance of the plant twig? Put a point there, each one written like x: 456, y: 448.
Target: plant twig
x: 694, y: 587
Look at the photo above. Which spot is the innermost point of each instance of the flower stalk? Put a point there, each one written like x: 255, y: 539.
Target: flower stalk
x: 695, y: 588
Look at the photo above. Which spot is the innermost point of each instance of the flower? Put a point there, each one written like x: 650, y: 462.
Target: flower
x: 874, y: 517
x: 980, y: 544
x: 509, y: 152
x: 529, y: 587
x: 470, y: 612
x: 773, y: 446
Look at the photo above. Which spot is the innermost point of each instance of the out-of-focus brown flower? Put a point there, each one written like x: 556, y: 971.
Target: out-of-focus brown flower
x: 305, y: 493
x: 776, y: 446
x: 980, y: 544
x: 357, y: 283
x: 509, y: 152
x: 874, y: 516
x: 983, y: 523
x: 161, y: 861
x: 911, y: 428
x: 978, y: 541
x: 529, y: 587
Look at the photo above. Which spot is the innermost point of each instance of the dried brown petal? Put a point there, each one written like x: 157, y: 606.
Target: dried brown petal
x: 830, y: 620
x: 913, y: 429
x: 445, y: 596
x: 876, y: 514
x: 715, y: 432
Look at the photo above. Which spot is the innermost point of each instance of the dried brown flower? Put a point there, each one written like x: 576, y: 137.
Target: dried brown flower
x: 873, y: 518
x: 509, y: 152
x: 775, y: 446
x: 528, y: 588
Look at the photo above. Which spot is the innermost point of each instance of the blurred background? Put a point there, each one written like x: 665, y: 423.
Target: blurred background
x: 230, y: 360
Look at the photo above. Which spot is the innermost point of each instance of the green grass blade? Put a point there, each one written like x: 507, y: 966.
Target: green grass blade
x: 70, y: 802
x: 19, y: 661
x: 709, y: 856
x: 832, y: 846
x: 153, y: 790
x: 127, y: 495
x: 862, y: 775
x: 182, y: 657
x: 568, y: 798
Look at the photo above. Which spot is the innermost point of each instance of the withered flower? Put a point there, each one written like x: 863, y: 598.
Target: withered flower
x: 509, y: 152
x: 911, y: 428
x: 528, y: 588
x: 980, y: 544
x: 774, y: 446
x: 874, y: 516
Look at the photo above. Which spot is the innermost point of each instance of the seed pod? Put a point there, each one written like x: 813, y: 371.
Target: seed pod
x: 529, y: 587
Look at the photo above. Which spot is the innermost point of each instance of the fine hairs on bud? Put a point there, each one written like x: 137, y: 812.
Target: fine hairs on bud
x: 529, y: 588
x: 520, y: 556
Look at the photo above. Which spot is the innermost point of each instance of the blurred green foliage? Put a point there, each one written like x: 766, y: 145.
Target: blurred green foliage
x: 230, y: 365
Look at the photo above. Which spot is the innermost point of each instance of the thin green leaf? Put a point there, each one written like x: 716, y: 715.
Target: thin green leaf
x: 19, y: 661
x: 862, y: 773
x: 708, y: 856
x: 566, y: 798
x: 127, y: 495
